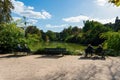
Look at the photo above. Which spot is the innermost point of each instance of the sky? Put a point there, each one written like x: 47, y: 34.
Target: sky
x: 56, y: 15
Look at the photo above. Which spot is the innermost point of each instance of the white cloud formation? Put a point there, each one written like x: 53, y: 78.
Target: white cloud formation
x: 32, y: 21
x: 56, y: 26
x: 101, y: 2
x: 112, y: 20
x: 82, y: 18
x: 76, y: 19
x: 16, y: 18
x: 20, y: 23
x: 28, y: 11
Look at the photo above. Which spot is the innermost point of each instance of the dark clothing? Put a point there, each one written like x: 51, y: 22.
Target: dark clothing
x: 99, y: 51
x: 89, y: 50
x: 22, y: 49
x: 19, y: 49
x: 26, y: 49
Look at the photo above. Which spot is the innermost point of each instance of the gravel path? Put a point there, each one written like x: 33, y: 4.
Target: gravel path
x: 37, y: 67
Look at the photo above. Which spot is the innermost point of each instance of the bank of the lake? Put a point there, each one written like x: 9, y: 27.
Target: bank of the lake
x: 69, y: 46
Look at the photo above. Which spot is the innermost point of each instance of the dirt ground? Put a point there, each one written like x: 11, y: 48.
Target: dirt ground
x: 38, y: 67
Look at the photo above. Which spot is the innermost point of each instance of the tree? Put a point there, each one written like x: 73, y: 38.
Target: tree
x: 5, y: 10
x: 88, y: 25
x: 69, y: 32
x: 76, y: 30
x: 33, y: 30
x: 11, y: 35
x: 92, y: 31
x: 115, y: 2
x: 112, y: 41
x: 51, y: 35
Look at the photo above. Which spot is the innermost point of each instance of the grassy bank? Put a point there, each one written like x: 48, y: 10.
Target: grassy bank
x: 73, y: 49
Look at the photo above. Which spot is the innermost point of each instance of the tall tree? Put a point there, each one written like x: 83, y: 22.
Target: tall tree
x: 5, y: 10
x: 51, y: 35
x: 32, y: 30
x: 92, y: 31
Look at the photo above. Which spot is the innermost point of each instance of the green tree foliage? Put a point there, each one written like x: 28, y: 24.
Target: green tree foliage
x: 51, y: 35
x: 11, y: 35
x: 117, y: 24
x: 75, y: 38
x: 69, y: 33
x: 5, y: 10
x: 44, y: 36
x: 33, y: 30
x: 92, y: 31
x: 32, y: 38
x: 115, y: 2
x: 76, y: 30
x: 112, y: 40
x: 114, y: 26
x: 88, y: 25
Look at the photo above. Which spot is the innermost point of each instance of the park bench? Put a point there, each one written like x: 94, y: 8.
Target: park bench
x: 22, y: 51
x: 55, y: 51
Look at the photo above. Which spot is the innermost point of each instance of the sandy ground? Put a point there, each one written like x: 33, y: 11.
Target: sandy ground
x: 37, y: 67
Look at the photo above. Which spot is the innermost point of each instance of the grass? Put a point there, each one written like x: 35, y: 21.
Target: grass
x: 74, y: 49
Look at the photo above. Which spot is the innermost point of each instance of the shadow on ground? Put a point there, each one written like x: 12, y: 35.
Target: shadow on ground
x: 79, y: 74
x: 91, y: 58
x: 12, y: 56
x: 50, y: 56
x: 91, y: 72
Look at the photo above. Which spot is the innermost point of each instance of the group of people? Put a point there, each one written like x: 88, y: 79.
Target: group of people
x: 90, y: 50
x: 23, y: 48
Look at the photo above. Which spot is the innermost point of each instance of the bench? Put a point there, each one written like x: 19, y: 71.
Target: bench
x: 55, y: 51
x: 22, y: 51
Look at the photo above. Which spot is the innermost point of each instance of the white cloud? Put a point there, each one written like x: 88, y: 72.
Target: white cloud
x: 81, y: 18
x: 76, y: 19
x: 57, y: 26
x: 16, y: 18
x: 103, y: 20
x: 28, y: 11
x: 20, y: 23
x: 32, y: 21
x: 29, y: 7
x: 101, y: 2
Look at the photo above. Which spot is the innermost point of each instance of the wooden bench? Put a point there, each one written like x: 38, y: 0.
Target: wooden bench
x: 23, y: 51
x: 55, y: 51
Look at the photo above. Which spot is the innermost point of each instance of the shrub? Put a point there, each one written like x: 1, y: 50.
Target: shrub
x: 40, y: 51
x: 112, y: 52
x: 112, y: 41
x: 10, y: 36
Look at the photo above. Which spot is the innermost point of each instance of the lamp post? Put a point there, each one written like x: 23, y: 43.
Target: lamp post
x: 25, y: 23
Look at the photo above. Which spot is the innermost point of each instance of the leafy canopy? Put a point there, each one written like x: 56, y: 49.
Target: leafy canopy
x: 115, y: 2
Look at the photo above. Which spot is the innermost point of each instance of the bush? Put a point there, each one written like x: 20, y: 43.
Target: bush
x: 40, y: 51
x: 112, y: 40
x: 10, y: 36
x: 111, y: 52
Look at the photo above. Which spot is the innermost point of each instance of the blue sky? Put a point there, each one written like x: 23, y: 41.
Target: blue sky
x: 56, y: 15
